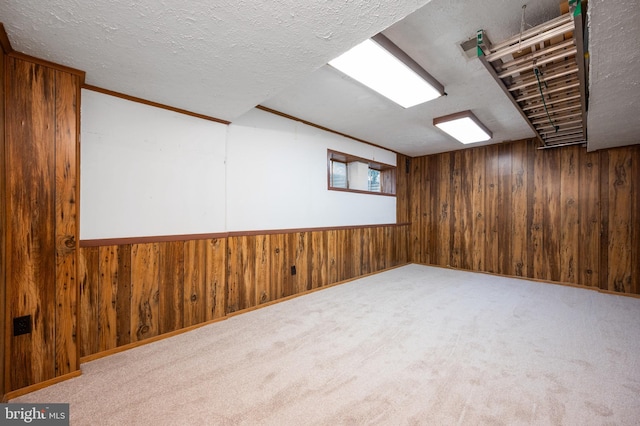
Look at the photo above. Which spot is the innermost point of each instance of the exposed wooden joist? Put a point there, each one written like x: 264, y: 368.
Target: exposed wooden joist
x: 542, y: 72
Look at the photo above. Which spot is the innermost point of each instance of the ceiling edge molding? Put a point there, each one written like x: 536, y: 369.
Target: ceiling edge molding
x: 5, y: 43
x: 326, y: 129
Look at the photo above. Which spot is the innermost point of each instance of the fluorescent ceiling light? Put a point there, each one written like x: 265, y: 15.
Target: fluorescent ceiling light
x: 463, y: 126
x: 383, y: 67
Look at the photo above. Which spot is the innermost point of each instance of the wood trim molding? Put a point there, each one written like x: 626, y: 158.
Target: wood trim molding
x: 187, y: 237
x: 5, y: 43
x: 41, y: 385
x: 153, y: 104
x: 320, y: 229
x: 49, y: 64
x: 149, y: 239
x: 537, y: 280
x: 317, y: 126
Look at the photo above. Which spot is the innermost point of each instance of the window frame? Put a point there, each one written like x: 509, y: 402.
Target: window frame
x: 387, y: 173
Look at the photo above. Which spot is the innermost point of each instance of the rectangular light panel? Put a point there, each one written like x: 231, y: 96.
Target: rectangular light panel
x: 375, y: 67
x: 463, y: 126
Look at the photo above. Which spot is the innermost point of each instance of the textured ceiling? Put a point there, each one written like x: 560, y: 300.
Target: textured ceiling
x: 614, y: 102
x: 223, y: 58
x: 215, y: 58
x: 431, y: 36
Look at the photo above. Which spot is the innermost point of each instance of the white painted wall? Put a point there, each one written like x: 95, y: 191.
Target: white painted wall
x: 147, y: 171
x: 277, y: 177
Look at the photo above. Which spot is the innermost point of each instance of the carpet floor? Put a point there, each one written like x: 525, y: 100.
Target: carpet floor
x: 409, y: 346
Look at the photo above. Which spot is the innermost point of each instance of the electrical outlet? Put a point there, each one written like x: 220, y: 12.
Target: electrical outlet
x: 22, y: 325
x: 293, y: 270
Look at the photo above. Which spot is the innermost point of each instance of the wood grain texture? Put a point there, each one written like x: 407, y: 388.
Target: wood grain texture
x: 477, y: 201
x: 40, y: 188
x: 551, y: 223
x: 569, y: 216
x: 195, y: 282
x: 216, y: 278
x: 123, y: 304
x: 280, y: 275
x: 589, y: 217
x: 299, y: 254
x: 30, y: 134
x: 108, y: 297
x: 151, y: 289
x: 67, y: 89
x: 620, y: 220
x: 491, y: 206
x: 504, y: 222
x: 319, y: 266
x: 145, y: 276
x: 4, y: 327
x: 561, y: 215
x: 403, y: 188
x: 171, y: 287
x: 416, y: 209
x: 90, y: 285
x: 520, y: 207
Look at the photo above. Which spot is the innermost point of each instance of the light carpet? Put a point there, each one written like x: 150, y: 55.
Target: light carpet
x: 413, y: 345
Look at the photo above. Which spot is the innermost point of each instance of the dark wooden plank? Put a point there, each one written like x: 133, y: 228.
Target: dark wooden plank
x: 144, y: 291
x: 66, y: 222
x: 604, y: 217
x: 216, y: 286
x: 620, y: 220
x: 383, y: 252
x: 332, y: 257
x: 361, y: 251
x: 533, y: 234
x: 429, y: 179
x: 440, y: 243
x: 491, y: 205
x: 89, y: 279
x: 417, y: 191
x: 31, y: 263
x: 569, y: 214
x: 466, y: 209
x: 479, y: 209
x: 263, y: 269
x: 457, y: 219
x: 298, y: 246
x: 240, y: 273
x: 402, y: 245
x: 4, y: 341
x: 403, y: 178
x: 280, y: 271
x: 589, y: 216
x: 504, y: 215
x: 635, y: 220
x: 519, y: 183
x: 344, y: 259
x: 123, y: 307
x: 194, y: 285
x: 171, y: 287
x: 108, y: 298
x: 539, y: 270
x: 551, y: 214
x: 319, y: 263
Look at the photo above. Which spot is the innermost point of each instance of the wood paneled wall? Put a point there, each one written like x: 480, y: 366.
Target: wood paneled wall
x: 131, y: 292
x: 3, y: 225
x: 561, y: 214
x: 40, y: 168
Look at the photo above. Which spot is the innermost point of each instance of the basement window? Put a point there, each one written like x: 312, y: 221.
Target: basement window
x: 355, y: 174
